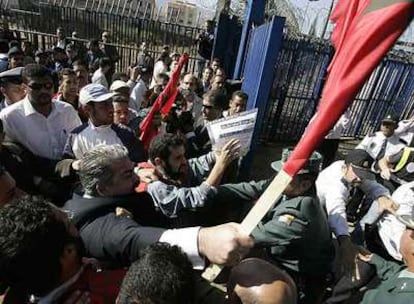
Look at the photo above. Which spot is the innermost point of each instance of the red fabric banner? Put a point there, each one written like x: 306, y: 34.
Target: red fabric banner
x: 163, y: 101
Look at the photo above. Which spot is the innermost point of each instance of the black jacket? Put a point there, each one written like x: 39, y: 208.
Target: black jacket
x: 115, y: 239
x: 118, y: 240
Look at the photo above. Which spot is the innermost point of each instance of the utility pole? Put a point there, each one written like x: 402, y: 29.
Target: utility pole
x: 327, y: 19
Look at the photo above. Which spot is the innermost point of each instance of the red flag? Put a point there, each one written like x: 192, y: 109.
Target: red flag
x: 365, y: 31
x: 168, y: 105
x: 147, y: 132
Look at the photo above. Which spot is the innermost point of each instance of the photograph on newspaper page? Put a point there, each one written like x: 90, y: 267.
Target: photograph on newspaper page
x: 239, y: 126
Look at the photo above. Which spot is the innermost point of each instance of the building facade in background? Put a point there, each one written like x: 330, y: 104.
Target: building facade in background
x: 181, y: 12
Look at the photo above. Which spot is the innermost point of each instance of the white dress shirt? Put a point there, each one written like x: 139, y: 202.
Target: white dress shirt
x: 159, y: 68
x: 187, y: 239
x: 99, y: 78
x: 91, y: 137
x: 43, y: 136
x: 405, y: 130
x: 373, y: 143
x: 389, y: 228
x: 333, y: 193
x: 137, y: 93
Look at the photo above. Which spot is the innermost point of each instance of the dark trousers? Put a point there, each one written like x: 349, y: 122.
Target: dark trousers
x: 346, y: 290
x: 201, y: 63
x: 328, y: 149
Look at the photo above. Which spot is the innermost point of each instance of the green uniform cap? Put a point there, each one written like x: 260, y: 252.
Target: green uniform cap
x: 313, y: 165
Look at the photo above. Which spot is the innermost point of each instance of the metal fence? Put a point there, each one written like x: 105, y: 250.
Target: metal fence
x: 127, y: 31
x: 298, y: 83
x: 299, y: 77
x: 389, y: 89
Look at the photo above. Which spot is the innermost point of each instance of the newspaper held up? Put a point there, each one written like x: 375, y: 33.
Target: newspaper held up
x: 239, y: 126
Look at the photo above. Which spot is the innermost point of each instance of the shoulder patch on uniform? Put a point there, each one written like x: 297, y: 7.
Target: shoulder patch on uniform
x: 286, y: 218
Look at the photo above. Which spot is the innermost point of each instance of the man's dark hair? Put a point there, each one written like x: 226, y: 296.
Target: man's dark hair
x: 104, y: 62
x: 32, y: 240
x: 31, y: 71
x: 162, y: 275
x: 120, y: 98
x: 160, y: 146
x: 163, y: 76
x: 80, y: 62
x: 208, y: 68
x: 241, y: 95
x: 94, y: 42
x: 216, y: 60
x: 66, y: 72
x: 217, y: 98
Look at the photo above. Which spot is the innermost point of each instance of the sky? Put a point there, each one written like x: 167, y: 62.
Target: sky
x: 314, y: 10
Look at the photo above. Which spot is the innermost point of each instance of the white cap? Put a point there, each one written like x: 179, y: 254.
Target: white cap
x: 94, y: 92
x: 118, y: 84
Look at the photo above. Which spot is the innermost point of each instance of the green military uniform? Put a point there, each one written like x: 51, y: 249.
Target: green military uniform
x: 298, y: 236
x: 397, y: 285
x: 296, y: 231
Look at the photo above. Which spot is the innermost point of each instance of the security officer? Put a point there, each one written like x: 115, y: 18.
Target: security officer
x: 11, y: 87
x: 384, y: 142
x: 399, y: 167
x: 397, y: 282
x: 296, y: 231
x: 16, y: 57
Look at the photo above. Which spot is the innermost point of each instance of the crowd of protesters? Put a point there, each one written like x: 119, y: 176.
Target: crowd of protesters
x: 91, y: 212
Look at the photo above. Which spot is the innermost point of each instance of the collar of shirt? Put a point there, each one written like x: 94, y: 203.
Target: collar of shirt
x: 29, y: 110
x: 4, y: 56
x: 7, y: 102
x: 101, y: 129
x: 406, y: 274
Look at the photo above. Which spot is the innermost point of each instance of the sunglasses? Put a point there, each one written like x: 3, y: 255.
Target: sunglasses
x: 39, y: 86
x: 207, y: 107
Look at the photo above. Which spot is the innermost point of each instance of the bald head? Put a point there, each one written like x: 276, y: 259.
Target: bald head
x: 255, y: 281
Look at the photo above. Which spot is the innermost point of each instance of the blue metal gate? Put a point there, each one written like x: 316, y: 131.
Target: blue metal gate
x: 297, y: 85
x: 298, y: 82
x: 264, y: 45
x: 389, y: 89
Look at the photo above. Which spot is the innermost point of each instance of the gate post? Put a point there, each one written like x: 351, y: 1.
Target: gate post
x: 266, y: 42
x: 226, y: 41
x: 254, y: 15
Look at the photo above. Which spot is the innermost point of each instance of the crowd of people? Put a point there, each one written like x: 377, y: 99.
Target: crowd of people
x: 91, y: 213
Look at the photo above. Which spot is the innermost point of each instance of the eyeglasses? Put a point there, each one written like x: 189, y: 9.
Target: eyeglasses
x: 39, y: 86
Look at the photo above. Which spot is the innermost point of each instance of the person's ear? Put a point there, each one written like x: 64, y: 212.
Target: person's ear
x: 102, y: 190
x: 344, y: 168
x: 87, y: 108
x: 158, y: 162
x: 305, y: 185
